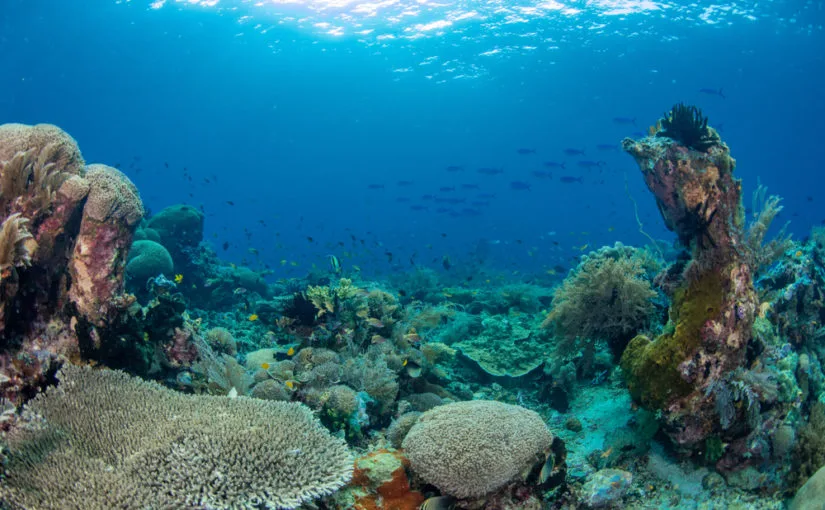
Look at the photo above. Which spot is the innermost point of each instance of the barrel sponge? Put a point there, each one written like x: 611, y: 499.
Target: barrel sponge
x: 102, y: 439
x: 470, y: 449
x: 20, y: 137
x: 112, y: 196
x: 148, y: 259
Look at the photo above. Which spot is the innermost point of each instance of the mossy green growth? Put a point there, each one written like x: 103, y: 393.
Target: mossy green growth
x: 652, y: 368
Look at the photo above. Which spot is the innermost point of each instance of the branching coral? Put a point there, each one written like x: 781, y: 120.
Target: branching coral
x: 687, y: 126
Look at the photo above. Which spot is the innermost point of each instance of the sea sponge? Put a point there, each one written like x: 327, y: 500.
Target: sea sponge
x: 470, y: 449
x: 148, y: 259
x: 114, y: 441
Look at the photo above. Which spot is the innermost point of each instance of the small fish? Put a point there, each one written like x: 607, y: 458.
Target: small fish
x: 290, y: 351
x: 375, y: 186
x: 713, y: 92
x: 554, y: 164
x: 520, y: 185
x: 541, y: 174
x: 375, y: 323
x: 490, y: 171
x: 265, y: 365
x: 377, y: 339
x: 419, y: 207
x: 445, y: 262
x: 335, y: 264
x: 455, y: 168
x: 290, y: 385
x: 607, y: 147
x: 469, y: 186
x: 178, y: 278
x: 525, y: 152
x: 446, y: 189
x: 623, y: 121
x: 225, y: 245
x: 252, y: 317
x: 438, y: 503
x: 569, y: 179
x: 230, y: 202
x: 413, y: 369
x: 310, y: 239
x: 591, y: 164
x: 574, y: 152
x: 547, y: 468
x: 405, y: 183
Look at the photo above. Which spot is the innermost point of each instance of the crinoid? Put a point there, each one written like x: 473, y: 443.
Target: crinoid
x: 687, y: 126
x: 696, y: 225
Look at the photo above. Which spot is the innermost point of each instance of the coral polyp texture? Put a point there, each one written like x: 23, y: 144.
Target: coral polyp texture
x: 66, y: 230
x: 103, y: 439
x: 471, y: 449
x: 714, y: 303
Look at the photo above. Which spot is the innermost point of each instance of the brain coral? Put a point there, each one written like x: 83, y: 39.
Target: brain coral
x: 103, y: 440
x: 112, y: 195
x: 470, y: 449
x: 148, y: 259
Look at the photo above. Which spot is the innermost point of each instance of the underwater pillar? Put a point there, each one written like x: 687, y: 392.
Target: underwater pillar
x: 689, y: 170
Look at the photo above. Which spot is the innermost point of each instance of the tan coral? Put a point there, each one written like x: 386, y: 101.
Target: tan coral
x: 20, y: 137
x: 128, y: 443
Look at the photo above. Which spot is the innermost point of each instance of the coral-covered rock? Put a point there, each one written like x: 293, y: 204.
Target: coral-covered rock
x: 66, y: 229
x: 606, y: 488
x: 713, y: 306
x: 380, y: 482
x: 812, y: 495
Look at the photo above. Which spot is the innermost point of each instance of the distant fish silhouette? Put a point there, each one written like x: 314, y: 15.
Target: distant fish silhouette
x: 624, y: 120
x: 713, y: 92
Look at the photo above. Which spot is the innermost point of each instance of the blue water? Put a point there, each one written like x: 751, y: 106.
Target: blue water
x: 293, y: 111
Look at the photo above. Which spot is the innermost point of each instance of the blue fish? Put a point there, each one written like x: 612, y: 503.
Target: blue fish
x: 713, y: 92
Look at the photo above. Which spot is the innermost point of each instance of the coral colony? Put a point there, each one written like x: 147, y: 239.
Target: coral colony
x: 139, y: 370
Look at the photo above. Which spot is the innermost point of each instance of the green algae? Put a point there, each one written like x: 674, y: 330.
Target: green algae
x: 652, y: 367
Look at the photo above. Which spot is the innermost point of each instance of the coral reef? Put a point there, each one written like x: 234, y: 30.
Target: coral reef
x: 113, y: 441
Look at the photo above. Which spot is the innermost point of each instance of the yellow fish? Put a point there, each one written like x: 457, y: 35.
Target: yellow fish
x: 283, y: 262
x: 178, y: 278
x: 253, y: 317
x: 583, y: 247
x: 293, y: 264
x: 265, y: 366
x: 290, y: 385
x: 290, y: 351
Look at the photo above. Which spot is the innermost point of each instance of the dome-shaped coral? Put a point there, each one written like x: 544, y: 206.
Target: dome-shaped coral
x: 470, y: 449
x: 147, y: 259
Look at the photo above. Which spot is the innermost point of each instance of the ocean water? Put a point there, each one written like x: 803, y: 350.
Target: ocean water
x: 478, y: 142
x: 297, y: 107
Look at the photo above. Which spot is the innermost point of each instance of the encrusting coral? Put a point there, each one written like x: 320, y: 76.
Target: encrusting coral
x: 102, y: 439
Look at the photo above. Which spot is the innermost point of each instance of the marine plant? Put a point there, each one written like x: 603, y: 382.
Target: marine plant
x: 113, y: 441
x: 765, y: 208
x: 687, y: 126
